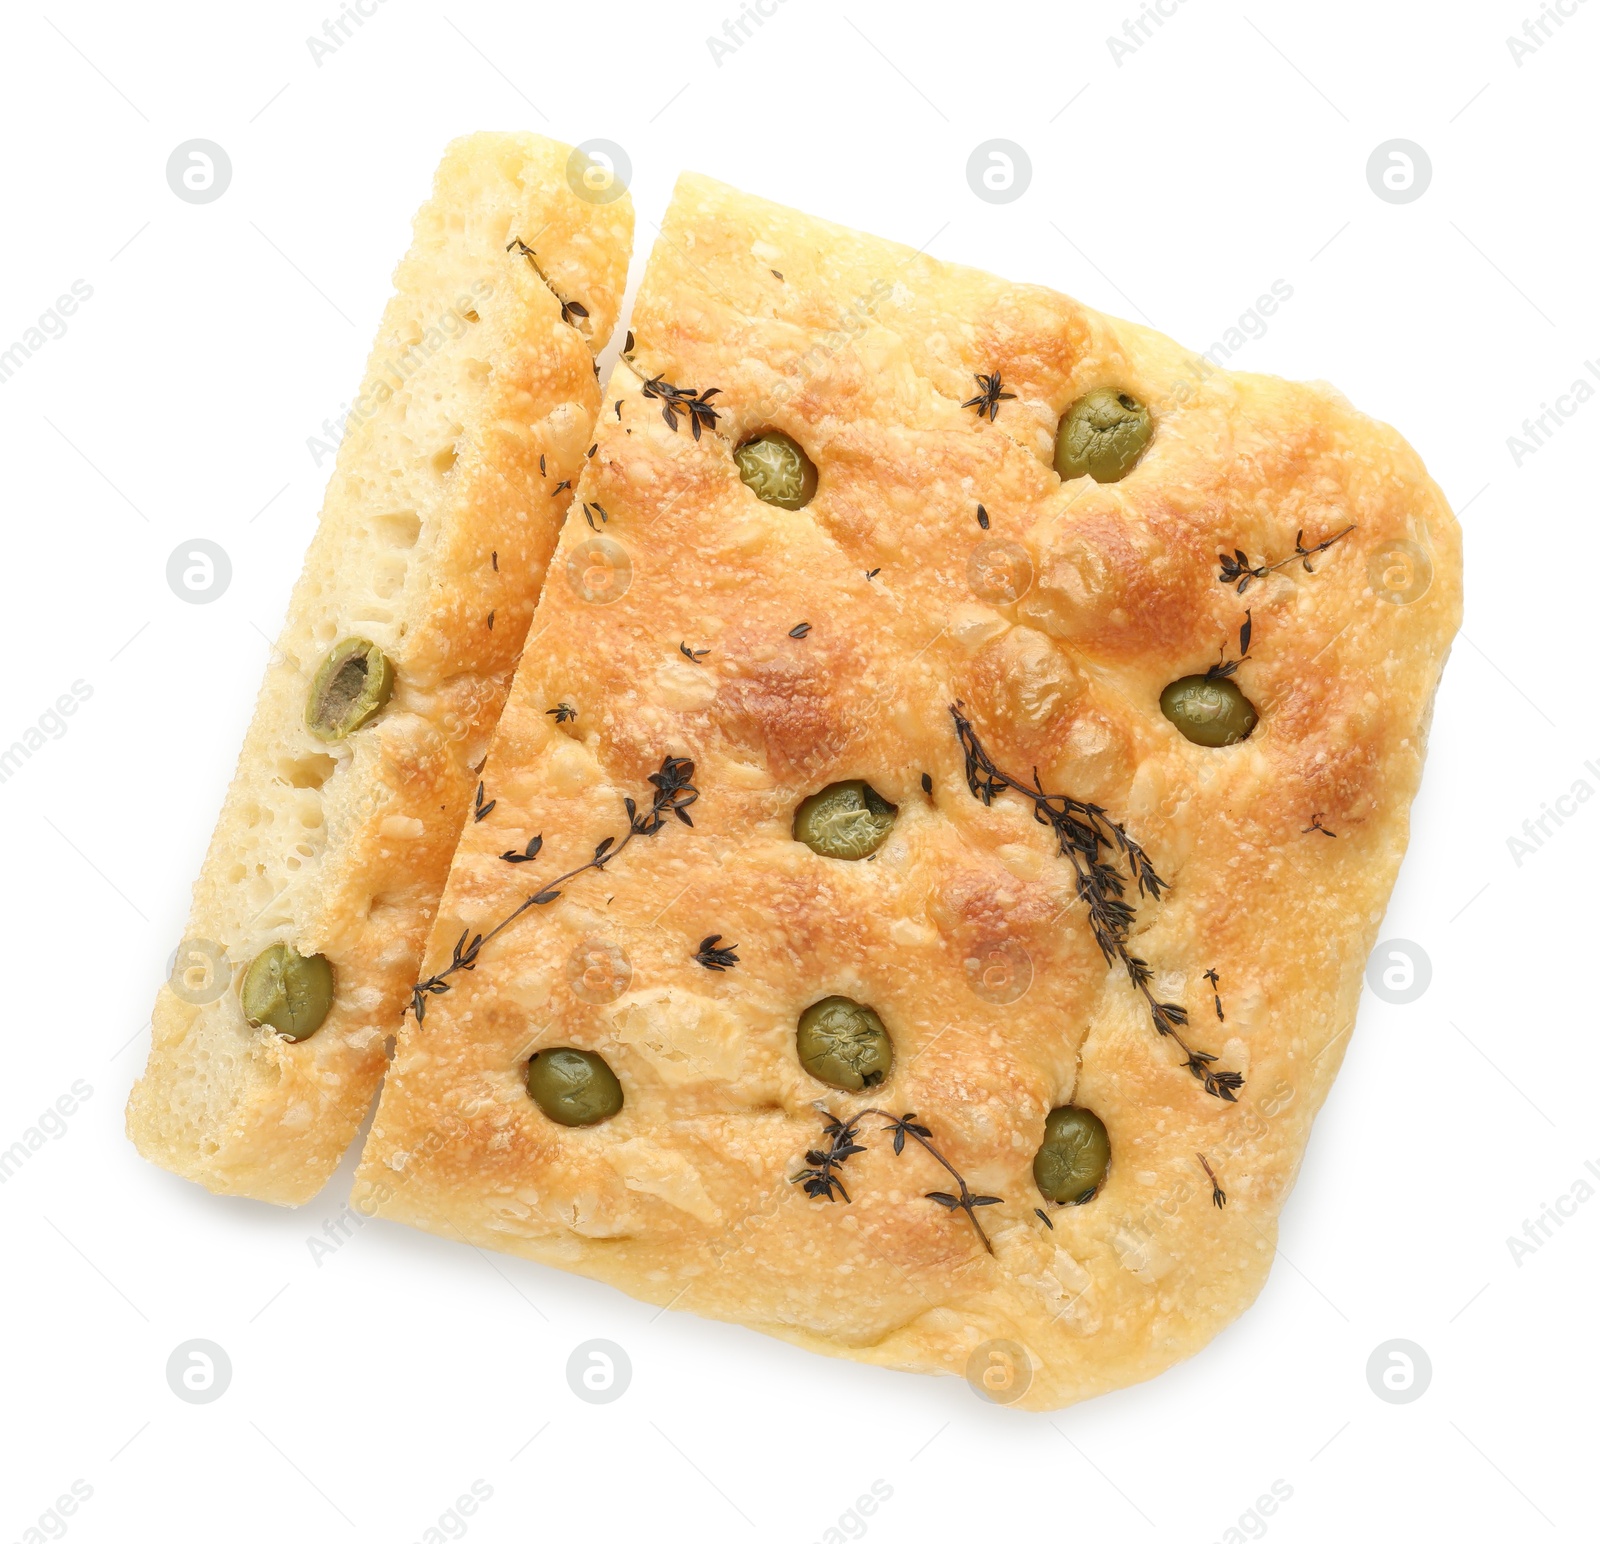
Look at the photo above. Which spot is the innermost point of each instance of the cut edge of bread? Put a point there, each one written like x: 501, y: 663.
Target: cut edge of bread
x: 455, y: 472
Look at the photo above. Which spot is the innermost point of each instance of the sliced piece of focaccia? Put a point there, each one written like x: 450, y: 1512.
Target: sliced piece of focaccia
x: 1047, y: 706
x: 463, y: 445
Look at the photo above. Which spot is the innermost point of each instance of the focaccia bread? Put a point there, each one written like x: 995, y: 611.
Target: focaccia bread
x: 463, y: 445
x: 1112, y: 966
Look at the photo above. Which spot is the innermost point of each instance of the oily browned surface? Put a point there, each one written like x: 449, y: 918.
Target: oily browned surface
x: 437, y: 516
x: 863, y: 352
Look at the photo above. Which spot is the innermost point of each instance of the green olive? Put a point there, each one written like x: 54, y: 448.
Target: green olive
x: 351, y: 685
x: 1209, y: 710
x: 844, y: 1044
x: 1103, y: 435
x: 1071, y: 1162
x: 291, y: 992
x: 574, y: 1088
x: 776, y: 470
x: 845, y: 820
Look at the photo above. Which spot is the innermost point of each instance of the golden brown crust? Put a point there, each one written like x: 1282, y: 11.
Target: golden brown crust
x: 864, y: 352
x: 435, y: 533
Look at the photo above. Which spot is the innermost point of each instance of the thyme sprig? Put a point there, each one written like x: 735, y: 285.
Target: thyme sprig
x: 479, y: 808
x: 990, y: 396
x: 1216, y: 990
x: 713, y: 957
x: 1092, y: 842
x: 820, y: 1180
x: 680, y: 399
x: 1224, y: 666
x: 1239, y: 568
x: 674, y: 793
x: 562, y: 712
x: 1219, y: 1196
x: 569, y: 308
x: 1317, y: 825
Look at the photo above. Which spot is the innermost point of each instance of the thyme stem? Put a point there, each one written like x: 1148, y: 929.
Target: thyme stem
x: 1238, y: 567
x: 673, y: 796
x: 1084, y: 834
x: 821, y: 1181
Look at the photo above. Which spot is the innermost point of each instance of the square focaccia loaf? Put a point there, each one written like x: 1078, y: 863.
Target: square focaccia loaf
x: 462, y: 449
x: 1047, y: 706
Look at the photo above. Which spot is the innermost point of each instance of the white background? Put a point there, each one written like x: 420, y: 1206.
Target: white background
x: 1228, y: 151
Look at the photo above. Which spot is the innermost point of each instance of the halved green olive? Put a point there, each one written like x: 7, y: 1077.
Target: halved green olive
x: 1103, y: 435
x: 843, y: 1043
x: 291, y: 992
x: 351, y: 685
x: 776, y: 470
x: 1209, y: 710
x: 845, y: 820
x: 1071, y: 1162
x: 574, y: 1088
